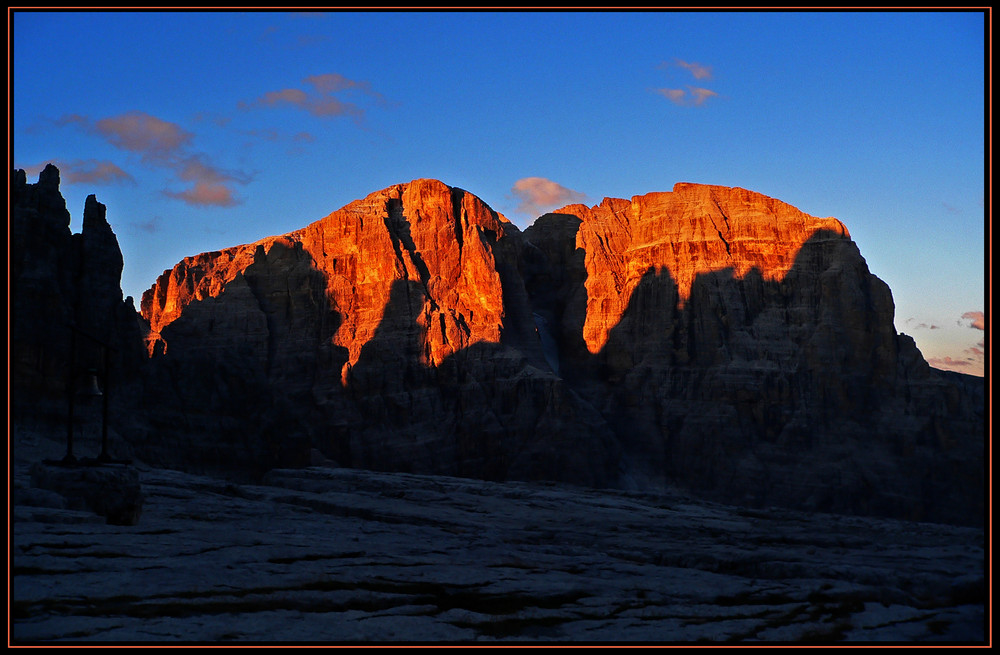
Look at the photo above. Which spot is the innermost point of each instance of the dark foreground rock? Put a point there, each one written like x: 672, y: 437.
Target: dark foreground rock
x: 339, y: 555
x: 110, y: 490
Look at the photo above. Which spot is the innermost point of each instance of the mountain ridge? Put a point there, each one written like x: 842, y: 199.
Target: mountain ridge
x: 708, y: 337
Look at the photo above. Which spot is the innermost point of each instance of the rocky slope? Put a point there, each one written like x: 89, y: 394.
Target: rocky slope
x: 709, y: 337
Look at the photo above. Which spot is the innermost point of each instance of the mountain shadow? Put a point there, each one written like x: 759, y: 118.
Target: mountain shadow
x: 483, y: 412
x: 239, y: 370
x: 554, y: 275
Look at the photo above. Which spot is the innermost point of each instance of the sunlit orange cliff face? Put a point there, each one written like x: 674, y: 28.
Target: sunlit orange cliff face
x: 439, y: 238
x: 443, y: 239
x: 695, y: 229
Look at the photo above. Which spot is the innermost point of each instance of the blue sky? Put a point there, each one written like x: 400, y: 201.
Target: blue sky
x: 206, y: 130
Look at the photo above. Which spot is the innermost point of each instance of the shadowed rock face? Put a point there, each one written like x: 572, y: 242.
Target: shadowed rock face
x: 709, y: 337
x: 65, y: 300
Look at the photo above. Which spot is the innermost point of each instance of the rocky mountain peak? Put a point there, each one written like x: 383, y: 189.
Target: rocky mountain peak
x: 440, y: 239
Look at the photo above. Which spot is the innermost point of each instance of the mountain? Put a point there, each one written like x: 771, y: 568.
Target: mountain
x: 742, y: 348
x: 708, y: 337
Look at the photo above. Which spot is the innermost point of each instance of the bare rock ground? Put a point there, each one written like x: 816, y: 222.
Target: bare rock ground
x: 341, y: 555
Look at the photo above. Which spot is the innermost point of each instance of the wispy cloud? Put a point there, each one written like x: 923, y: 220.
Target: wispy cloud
x: 68, y: 119
x: 272, y: 135
x: 144, y: 134
x: 296, y: 142
x: 152, y: 226
x: 309, y: 40
x: 287, y: 38
x: 948, y: 363
x: 215, y: 119
x: 922, y: 326
x: 85, y: 171
x: 699, y: 71
x: 701, y: 95
x: 675, y: 96
x: 978, y: 320
x: 972, y: 359
x: 194, y: 168
x: 334, y: 82
x: 269, y: 31
x: 317, y: 105
x: 693, y: 97
x: 267, y: 134
x: 206, y: 194
x: 321, y: 100
x: 538, y: 195
x: 166, y: 145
